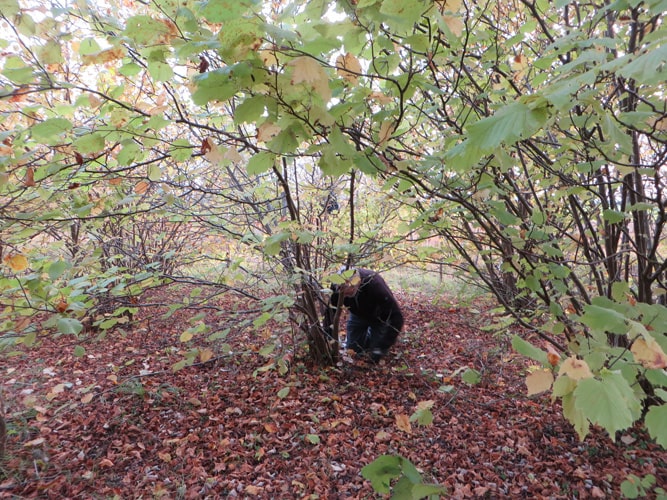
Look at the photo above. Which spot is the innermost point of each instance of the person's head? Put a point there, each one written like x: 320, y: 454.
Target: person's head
x: 352, y: 282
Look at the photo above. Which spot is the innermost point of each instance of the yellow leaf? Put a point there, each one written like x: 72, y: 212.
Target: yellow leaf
x: 552, y: 355
x: 574, y: 368
x: 17, y: 262
x: 253, y: 490
x: 348, y: 68
x: 660, y: 123
x: 105, y: 56
x: 87, y: 398
x: 270, y: 427
x: 205, y: 355
x: 386, y: 129
x: 186, y: 336
x: 403, y: 423
x: 449, y: 5
x: 519, y: 63
x: 454, y: 24
x: 649, y: 353
x: 34, y: 442
x: 382, y: 436
x: 380, y: 98
x: 308, y: 71
x: 539, y: 381
x: 335, y: 423
x: 425, y: 405
x: 55, y: 390
x: 233, y: 155
x: 141, y: 187
x: 213, y: 153
x: 268, y: 58
x: 267, y: 131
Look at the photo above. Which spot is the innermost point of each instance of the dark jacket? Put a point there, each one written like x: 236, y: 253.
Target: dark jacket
x: 373, y: 301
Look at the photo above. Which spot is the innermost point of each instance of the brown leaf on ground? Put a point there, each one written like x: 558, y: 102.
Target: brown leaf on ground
x: 218, y: 430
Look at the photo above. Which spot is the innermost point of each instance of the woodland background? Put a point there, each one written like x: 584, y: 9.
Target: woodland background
x: 209, y: 166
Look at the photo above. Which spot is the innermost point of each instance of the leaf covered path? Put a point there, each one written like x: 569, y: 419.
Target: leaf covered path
x: 233, y: 428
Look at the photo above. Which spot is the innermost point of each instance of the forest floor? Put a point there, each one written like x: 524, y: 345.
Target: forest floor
x: 116, y: 422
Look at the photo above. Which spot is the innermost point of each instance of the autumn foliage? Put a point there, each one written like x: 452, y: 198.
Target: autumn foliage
x: 209, y: 166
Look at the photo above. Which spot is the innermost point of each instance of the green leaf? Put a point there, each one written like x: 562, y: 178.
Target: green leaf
x: 180, y: 365
x: 160, y: 71
x: 17, y: 71
x: 57, y: 268
x: 283, y: 393
x: 219, y: 11
x: 69, y: 326
x: 509, y: 124
x: 250, y: 110
x: 89, y: 143
x: 221, y: 84
x: 51, y: 128
x: 406, y: 489
x: 341, y: 143
x: 609, y: 402
x: 268, y: 348
x: 563, y: 386
x: 422, y: 416
x: 576, y: 416
x: 285, y: 142
x: 655, y: 420
x: 50, y: 53
x: 620, y: 291
x: 154, y: 172
x: 89, y: 47
x: 239, y: 34
x: 79, y: 351
x: 272, y: 244
x: 471, y: 376
x: 649, y: 68
x: 630, y: 487
x: 9, y: 8
x: 613, y: 216
x: 333, y: 164
x: 409, y: 470
x: 525, y: 348
x: 130, y: 69
x: 539, y: 218
x: 144, y: 30
x: 260, y: 163
x: 604, y: 319
x: 181, y: 150
x: 402, y: 15
x: 29, y: 339
x: 381, y: 471
x: 313, y: 438
x: 129, y: 153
